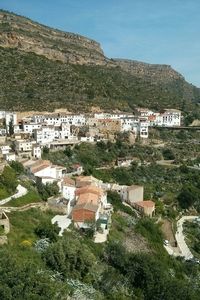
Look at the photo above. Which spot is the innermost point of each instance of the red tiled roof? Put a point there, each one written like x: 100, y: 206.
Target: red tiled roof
x: 89, y: 189
x: 68, y: 181
x: 88, y: 198
x: 147, y: 203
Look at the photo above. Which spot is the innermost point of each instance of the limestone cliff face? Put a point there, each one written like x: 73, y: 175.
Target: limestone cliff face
x: 154, y: 72
x: 95, y: 81
x: 23, y: 34
x: 26, y: 35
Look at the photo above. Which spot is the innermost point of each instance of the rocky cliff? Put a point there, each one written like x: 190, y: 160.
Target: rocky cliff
x: 41, y: 67
x: 26, y: 35
x: 154, y: 72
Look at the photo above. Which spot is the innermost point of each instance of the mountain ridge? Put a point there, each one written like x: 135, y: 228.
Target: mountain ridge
x: 85, y: 57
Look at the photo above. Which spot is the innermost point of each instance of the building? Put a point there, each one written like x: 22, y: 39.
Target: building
x: 45, y: 134
x: 36, y: 151
x: 90, y: 201
x: 166, y: 118
x: 87, y: 180
x: 10, y: 157
x: 56, y: 119
x: 171, y: 118
x: 59, y: 205
x: 146, y: 208
x: 29, y: 127
x: 135, y: 193
x: 24, y: 145
x: 4, y: 222
x: 68, y: 188
x: 46, y: 171
x: 5, y: 149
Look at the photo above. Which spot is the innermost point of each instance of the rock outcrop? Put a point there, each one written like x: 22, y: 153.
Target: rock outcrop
x: 26, y: 35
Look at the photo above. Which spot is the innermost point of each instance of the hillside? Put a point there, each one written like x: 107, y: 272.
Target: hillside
x: 42, y: 67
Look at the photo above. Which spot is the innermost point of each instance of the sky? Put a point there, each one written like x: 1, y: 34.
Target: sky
x: 153, y: 31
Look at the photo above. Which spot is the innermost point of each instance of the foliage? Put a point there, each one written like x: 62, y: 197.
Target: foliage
x: 148, y: 274
x: 70, y: 258
x: 54, y: 84
x: 47, y: 190
x: 187, y: 197
x: 30, y: 197
x: 115, y: 199
x: 42, y: 244
x: 192, y: 232
x: 8, y: 179
x: 17, y: 166
x: 151, y: 232
x: 22, y: 279
x: 47, y: 230
x: 23, y: 225
x: 168, y: 154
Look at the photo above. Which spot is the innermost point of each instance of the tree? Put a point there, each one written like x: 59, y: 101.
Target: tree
x: 47, y: 190
x: 47, y: 230
x: 68, y: 151
x: 17, y: 166
x: 8, y: 179
x: 45, y: 150
x: 187, y: 197
x: 11, y: 128
x: 168, y: 154
x: 23, y: 278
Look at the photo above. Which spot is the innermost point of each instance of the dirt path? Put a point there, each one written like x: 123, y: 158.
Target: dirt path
x: 168, y: 231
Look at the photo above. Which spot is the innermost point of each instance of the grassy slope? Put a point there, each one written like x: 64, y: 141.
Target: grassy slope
x: 32, y: 82
x: 24, y: 223
x: 30, y: 197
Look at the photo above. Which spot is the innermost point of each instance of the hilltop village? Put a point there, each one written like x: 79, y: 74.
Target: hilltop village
x: 83, y: 198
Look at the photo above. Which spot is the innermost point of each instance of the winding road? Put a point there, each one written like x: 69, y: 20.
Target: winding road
x: 180, y: 238
x: 182, y: 248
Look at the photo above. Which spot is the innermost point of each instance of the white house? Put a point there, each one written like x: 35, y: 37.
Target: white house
x: 45, y: 134
x: 68, y: 188
x: 171, y: 117
x: 36, y: 151
x: 5, y: 149
x: 58, y: 119
x: 29, y: 127
x: 46, y: 171
x: 10, y: 156
x: 24, y: 145
x: 2, y: 132
x: 62, y: 131
x: 143, y: 128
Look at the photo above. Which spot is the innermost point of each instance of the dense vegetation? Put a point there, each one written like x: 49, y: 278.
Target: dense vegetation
x: 192, y: 231
x: 175, y: 184
x: 8, y: 182
x: 32, y: 82
x: 37, y: 264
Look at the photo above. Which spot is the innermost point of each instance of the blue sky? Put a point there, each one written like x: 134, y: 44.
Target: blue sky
x: 154, y: 31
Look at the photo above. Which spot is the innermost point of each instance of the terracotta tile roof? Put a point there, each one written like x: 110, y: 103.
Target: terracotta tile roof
x: 87, y: 206
x: 89, y: 189
x: 88, y: 198
x: 68, y: 181
x: 152, y: 118
x: 39, y: 168
x: 40, y: 162
x: 147, y: 203
x: 85, y: 180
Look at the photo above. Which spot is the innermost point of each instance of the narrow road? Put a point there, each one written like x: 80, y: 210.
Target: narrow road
x: 180, y: 238
x: 21, y: 191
